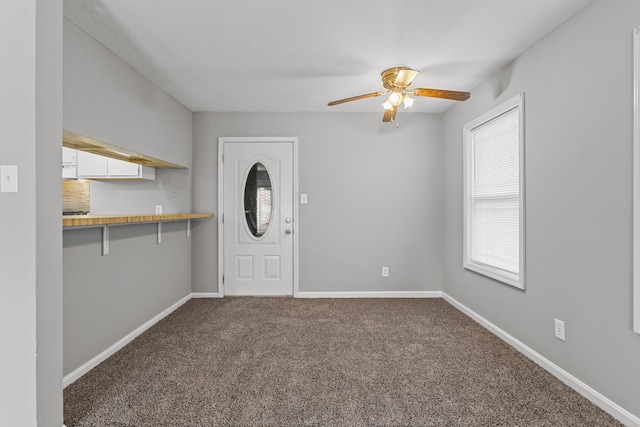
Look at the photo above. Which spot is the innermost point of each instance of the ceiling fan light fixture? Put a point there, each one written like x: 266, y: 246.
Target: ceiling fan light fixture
x: 408, y: 102
x: 387, y: 105
x: 395, y: 98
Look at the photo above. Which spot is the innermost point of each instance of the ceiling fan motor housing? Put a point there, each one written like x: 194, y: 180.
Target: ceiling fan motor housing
x: 398, y: 77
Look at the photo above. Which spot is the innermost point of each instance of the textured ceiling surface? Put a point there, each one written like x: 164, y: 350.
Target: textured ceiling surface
x: 297, y: 55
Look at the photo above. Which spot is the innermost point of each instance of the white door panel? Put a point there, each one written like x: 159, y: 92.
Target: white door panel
x: 258, y: 247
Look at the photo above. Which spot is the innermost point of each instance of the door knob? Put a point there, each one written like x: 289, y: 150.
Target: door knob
x: 288, y: 220
x: 287, y: 231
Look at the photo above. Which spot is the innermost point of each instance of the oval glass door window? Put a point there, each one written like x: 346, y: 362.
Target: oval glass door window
x: 258, y: 200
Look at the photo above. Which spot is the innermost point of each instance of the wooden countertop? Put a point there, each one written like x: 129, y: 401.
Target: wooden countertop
x: 98, y: 220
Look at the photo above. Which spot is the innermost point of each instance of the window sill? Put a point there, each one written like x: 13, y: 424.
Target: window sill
x: 499, y: 275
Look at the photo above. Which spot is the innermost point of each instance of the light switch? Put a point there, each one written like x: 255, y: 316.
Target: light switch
x: 303, y: 199
x: 9, y: 179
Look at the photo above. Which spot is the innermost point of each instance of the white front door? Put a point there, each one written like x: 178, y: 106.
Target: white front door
x: 258, y: 222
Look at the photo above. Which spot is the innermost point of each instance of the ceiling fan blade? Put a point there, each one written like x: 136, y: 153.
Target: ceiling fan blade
x: 444, y: 94
x: 389, y: 115
x: 355, y: 98
x: 405, y: 77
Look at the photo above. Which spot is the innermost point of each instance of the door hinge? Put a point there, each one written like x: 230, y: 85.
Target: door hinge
x: 223, y: 279
x: 223, y: 218
x: 223, y: 158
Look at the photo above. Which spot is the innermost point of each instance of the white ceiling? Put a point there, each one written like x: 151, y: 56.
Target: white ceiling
x: 297, y: 55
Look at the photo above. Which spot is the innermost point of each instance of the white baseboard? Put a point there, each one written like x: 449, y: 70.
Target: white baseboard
x: 381, y: 294
x: 603, y: 402
x: 206, y: 295
x: 75, y: 375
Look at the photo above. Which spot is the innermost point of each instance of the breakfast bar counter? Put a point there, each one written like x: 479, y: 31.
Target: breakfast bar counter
x: 101, y: 220
x: 71, y: 222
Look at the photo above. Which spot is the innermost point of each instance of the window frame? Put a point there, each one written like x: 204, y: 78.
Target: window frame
x: 516, y: 280
x: 636, y: 181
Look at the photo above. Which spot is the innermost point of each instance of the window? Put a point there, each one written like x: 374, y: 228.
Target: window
x: 494, y: 193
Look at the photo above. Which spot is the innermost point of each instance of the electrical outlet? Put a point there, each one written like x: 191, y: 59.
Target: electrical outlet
x: 385, y: 271
x: 158, y: 209
x: 559, y: 329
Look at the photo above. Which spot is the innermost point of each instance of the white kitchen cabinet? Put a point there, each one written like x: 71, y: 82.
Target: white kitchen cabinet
x: 94, y: 166
x: 68, y: 156
x: 91, y: 165
x: 120, y: 168
x: 69, y: 172
x: 69, y: 163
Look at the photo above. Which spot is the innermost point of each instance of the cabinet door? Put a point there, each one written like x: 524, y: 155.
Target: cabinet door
x: 119, y: 168
x: 68, y: 156
x: 69, y: 172
x: 91, y: 165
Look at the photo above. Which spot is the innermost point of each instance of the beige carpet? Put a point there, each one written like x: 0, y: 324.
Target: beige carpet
x: 340, y: 362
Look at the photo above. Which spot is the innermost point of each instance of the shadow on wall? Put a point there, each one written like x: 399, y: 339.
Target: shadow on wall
x: 503, y: 80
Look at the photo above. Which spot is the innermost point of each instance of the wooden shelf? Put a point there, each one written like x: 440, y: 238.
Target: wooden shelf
x: 71, y: 222
x: 100, y: 220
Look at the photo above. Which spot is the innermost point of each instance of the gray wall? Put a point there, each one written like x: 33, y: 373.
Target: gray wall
x: 375, y: 198
x: 106, y: 99
x: 106, y: 298
x: 30, y: 230
x: 578, y: 111
x: 18, y: 225
x: 48, y: 203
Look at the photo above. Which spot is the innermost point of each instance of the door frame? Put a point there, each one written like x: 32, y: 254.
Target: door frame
x: 222, y: 140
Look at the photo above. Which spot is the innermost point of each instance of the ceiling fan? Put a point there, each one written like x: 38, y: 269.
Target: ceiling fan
x: 397, y: 80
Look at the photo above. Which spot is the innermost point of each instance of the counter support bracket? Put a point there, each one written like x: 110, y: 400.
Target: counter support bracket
x: 105, y: 240
x: 107, y: 221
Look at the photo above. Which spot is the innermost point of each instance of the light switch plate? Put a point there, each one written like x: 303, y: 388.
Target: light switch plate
x: 8, y: 178
x: 303, y: 199
x: 158, y: 209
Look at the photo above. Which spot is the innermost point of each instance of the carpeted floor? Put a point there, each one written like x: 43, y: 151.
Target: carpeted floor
x: 329, y: 362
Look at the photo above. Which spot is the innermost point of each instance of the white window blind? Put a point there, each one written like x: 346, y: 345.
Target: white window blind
x: 493, y: 195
